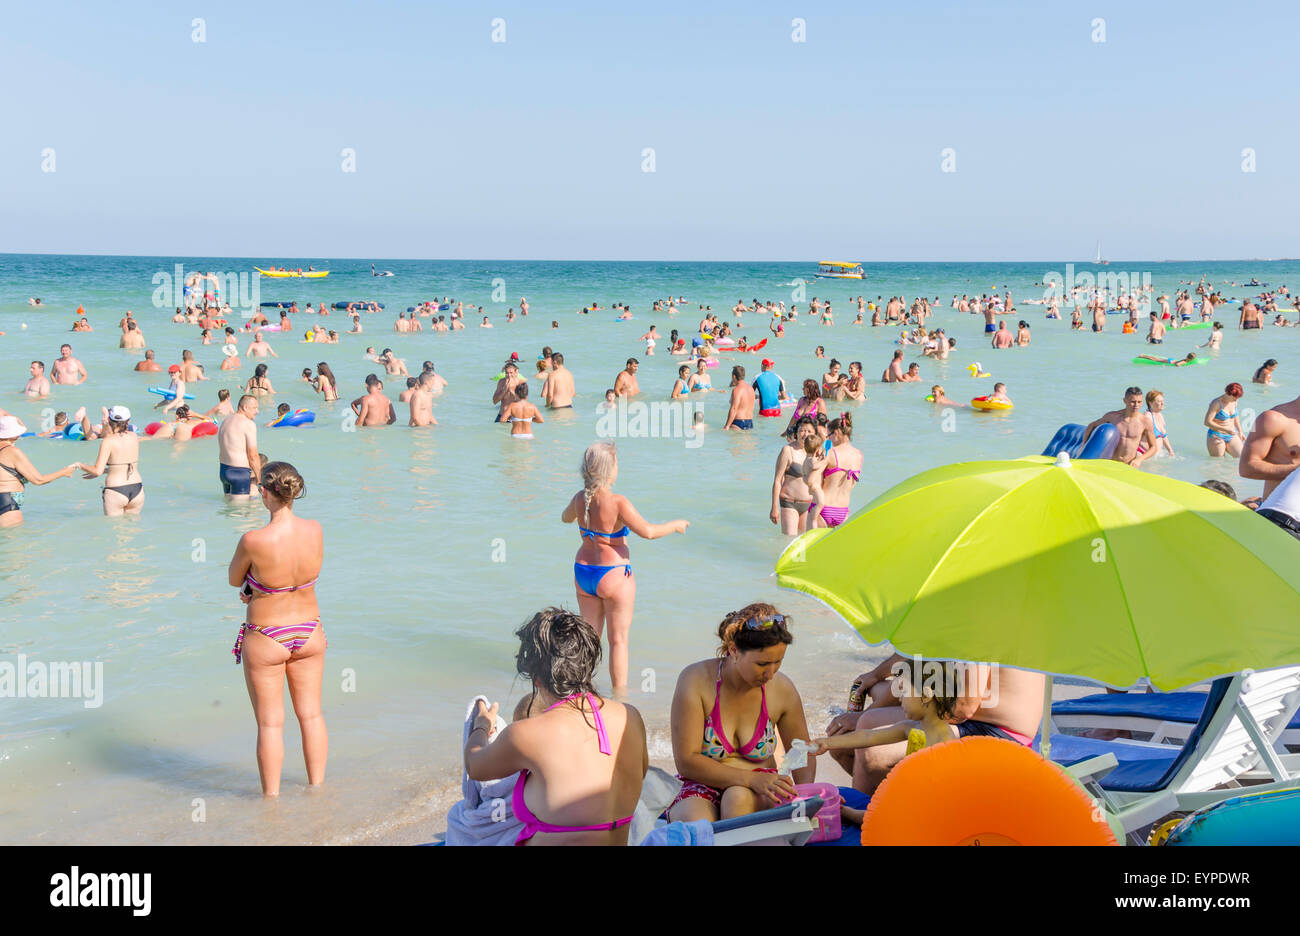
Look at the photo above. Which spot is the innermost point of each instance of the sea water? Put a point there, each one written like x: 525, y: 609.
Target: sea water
x: 440, y: 542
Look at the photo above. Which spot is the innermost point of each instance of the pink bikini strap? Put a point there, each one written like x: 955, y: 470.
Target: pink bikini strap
x: 601, y: 737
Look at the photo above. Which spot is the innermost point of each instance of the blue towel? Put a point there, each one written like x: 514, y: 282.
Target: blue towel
x: 699, y: 832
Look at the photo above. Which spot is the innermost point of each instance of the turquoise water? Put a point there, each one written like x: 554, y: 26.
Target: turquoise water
x: 440, y: 542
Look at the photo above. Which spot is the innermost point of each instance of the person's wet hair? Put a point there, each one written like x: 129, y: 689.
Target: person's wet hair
x: 1234, y: 389
x: 558, y: 652
x: 1222, y: 487
x: 756, y: 626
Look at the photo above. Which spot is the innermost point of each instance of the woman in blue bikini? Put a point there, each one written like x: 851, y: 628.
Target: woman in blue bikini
x: 604, y: 598
x: 1223, y: 433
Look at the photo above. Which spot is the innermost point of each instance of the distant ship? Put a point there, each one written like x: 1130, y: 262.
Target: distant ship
x: 1099, y: 261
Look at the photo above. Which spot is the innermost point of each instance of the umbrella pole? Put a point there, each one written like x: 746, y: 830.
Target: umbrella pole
x: 1045, y: 731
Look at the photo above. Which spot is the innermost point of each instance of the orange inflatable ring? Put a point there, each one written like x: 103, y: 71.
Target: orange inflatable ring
x: 981, y: 791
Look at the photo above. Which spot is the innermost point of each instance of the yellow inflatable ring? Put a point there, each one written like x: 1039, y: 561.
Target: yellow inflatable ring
x: 975, y: 370
x: 981, y: 791
x: 989, y: 406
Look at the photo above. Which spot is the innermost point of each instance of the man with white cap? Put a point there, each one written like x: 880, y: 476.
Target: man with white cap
x: 17, y: 470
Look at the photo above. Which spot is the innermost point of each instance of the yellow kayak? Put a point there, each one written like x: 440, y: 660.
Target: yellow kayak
x: 285, y: 274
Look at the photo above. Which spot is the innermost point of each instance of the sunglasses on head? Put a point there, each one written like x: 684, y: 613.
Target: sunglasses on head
x: 755, y: 624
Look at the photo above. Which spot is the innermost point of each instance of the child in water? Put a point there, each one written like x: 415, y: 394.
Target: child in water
x: 926, y: 690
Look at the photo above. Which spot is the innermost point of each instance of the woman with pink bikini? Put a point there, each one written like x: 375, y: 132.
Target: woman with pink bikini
x: 835, y: 473
x: 581, y: 759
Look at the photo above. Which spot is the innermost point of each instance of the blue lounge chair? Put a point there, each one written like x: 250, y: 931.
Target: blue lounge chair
x: 1166, y: 716
x: 1241, y: 720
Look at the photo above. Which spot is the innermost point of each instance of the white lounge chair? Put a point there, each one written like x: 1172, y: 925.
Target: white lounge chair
x: 1233, y: 741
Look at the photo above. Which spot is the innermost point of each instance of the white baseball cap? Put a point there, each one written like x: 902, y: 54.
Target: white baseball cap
x: 119, y: 414
x: 11, y: 427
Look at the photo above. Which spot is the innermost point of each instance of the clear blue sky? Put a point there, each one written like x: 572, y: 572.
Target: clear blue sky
x: 764, y: 148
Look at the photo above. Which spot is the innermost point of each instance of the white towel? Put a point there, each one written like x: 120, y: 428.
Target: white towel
x: 485, y: 815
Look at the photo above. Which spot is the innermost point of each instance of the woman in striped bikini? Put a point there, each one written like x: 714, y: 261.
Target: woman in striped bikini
x: 276, y: 569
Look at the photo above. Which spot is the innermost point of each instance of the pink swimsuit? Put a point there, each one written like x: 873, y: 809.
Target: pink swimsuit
x: 533, y: 825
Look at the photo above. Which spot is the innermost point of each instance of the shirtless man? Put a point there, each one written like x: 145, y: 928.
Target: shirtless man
x: 1249, y: 315
x: 1098, y: 313
x: 1164, y: 307
x: 1002, y: 337
x: 393, y: 366
x: 259, y: 347
x: 374, y: 409
x: 1134, y: 430
x: 237, y: 450
x: 990, y: 324
x: 148, y: 364
x: 558, y: 391
x: 1156, y: 334
x: 190, y: 371
x: 894, y: 372
x: 994, y: 701
x: 505, y: 394
x: 625, y: 384
x: 1272, y: 450
x: 132, y: 337
x: 38, y: 387
x: 67, y: 369
x: 741, y: 413
x: 422, y: 401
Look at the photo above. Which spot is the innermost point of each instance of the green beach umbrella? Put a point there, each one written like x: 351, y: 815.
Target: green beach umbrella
x: 1086, y: 568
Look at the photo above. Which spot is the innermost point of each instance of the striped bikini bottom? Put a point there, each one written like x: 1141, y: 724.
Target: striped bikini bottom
x: 291, y: 636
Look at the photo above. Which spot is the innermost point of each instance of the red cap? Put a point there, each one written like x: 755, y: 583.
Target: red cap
x: 767, y: 363
x: 173, y: 369
x: 514, y: 355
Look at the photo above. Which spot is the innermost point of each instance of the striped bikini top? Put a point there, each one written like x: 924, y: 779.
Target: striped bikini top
x: 716, y: 744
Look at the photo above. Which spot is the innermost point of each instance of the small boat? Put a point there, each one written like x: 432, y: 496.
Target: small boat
x: 294, y: 274
x: 1099, y: 261
x: 837, y: 269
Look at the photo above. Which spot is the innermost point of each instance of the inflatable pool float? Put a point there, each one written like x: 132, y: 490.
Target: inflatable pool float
x: 984, y: 404
x: 981, y: 791
x: 726, y: 342
x: 359, y: 302
x: 276, y: 305
x: 1271, y: 818
x: 274, y: 328
x: 1199, y: 360
x: 1069, y: 439
x: 975, y: 370
x: 930, y: 398
x: 300, y: 417
x: 203, y: 429
x: 1197, y: 325
x: 164, y: 392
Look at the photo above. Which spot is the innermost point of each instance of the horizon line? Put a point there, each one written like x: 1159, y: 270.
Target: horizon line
x: 650, y: 260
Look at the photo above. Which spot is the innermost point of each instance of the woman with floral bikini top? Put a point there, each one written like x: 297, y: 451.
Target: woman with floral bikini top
x: 725, y: 722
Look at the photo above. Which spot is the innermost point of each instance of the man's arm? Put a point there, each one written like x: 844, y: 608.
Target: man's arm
x: 1253, y: 463
x: 356, y: 405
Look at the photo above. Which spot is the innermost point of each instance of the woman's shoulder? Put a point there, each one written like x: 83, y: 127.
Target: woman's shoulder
x: 698, y: 676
